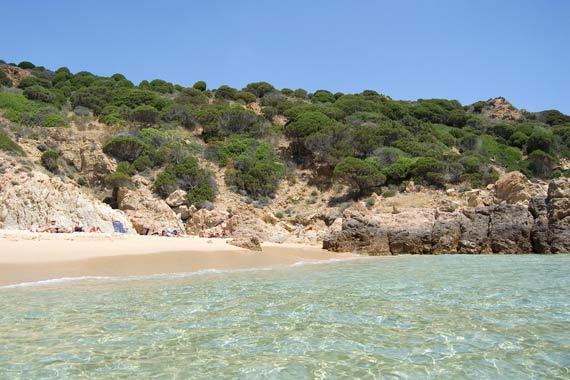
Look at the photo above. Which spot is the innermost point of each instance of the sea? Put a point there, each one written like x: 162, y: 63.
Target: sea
x: 407, y: 317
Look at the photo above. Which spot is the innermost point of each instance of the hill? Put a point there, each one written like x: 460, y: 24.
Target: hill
x: 168, y: 155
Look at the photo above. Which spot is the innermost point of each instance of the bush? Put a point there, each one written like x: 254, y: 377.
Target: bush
x: 541, y: 164
x: 200, y: 85
x: 323, y: 96
x: 118, y: 179
x: 188, y: 176
x: 54, y: 121
x: 147, y: 115
x: 124, y: 148
x: 255, y: 168
x: 49, y: 160
x: 162, y: 86
x: 8, y: 145
x: 540, y: 140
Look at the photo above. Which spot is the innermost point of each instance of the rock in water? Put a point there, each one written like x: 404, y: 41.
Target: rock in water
x: 475, y: 231
x: 358, y: 235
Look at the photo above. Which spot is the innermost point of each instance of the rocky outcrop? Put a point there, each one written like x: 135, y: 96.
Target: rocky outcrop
x: 510, y: 229
x: 558, y: 212
x: 513, y: 187
x: 252, y: 243
x: 176, y: 199
x: 34, y: 199
x: 359, y: 235
x: 542, y: 227
x: 539, y: 232
x: 145, y: 210
x: 500, y: 109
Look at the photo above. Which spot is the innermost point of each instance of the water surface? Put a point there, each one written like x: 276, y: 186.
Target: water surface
x: 445, y: 317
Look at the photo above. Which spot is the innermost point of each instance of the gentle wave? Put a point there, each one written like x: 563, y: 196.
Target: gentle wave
x: 172, y: 275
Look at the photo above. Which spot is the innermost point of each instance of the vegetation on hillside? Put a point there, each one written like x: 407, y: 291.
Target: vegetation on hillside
x: 366, y: 140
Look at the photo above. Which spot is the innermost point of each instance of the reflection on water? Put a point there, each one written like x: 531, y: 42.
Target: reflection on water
x: 446, y: 317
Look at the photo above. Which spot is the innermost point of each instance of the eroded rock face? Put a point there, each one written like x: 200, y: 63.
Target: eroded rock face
x: 558, y: 206
x: 359, y: 235
x: 504, y: 229
x: 446, y: 234
x: 510, y: 229
x: 474, y: 225
x: 500, y: 109
x: 34, y: 199
x: 539, y: 232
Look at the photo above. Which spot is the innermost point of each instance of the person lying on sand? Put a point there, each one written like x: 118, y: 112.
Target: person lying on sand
x: 78, y: 227
x: 95, y: 229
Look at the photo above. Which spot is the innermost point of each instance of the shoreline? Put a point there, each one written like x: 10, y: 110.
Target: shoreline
x: 27, y: 257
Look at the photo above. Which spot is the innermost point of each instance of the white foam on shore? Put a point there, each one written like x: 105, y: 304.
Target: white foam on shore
x: 174, y: 275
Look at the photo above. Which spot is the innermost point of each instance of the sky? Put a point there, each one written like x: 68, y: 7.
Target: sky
x: 407, y: 49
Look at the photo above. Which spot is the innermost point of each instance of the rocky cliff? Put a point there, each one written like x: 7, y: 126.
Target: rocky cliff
x: 541, y: 227
x: 30, y: 197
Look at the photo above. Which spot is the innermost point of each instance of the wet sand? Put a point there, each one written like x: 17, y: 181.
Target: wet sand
x: 29, y: 257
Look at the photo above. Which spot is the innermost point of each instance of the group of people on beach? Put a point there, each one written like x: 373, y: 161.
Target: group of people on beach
x: 55, y: 228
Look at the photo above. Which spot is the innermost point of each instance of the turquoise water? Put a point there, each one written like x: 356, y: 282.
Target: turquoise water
x: 444, y: 317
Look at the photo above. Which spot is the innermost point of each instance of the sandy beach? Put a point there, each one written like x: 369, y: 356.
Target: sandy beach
x: 28, y: 257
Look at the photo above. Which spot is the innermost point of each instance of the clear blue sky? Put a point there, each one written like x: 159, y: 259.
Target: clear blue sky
x: 409, y: 49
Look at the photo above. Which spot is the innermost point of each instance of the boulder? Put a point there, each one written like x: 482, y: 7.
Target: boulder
x: 251, y: 243
x: 513, y: 187
x: 177, y: 198
x: 510, y: 229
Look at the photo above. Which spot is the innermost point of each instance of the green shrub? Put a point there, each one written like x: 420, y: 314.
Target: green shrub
x: 124, y: 148
x: 54, y: 121
x: 165, y: 183
x: 323, y: 96
x: 200, y: 85
x: 162, y: 86
x: 26, y: 65
x: 255, y: 168
x: 279, y: 215
x: 18, y: 108
x: 8, y: 145
x: 145, y: 114
x: 399, y: 170
x: 540, y: 140
x: 118, y: 179
x: 518, y: 139
x: 142, y: 163
x: 541, y: 164
x: 49, y: 160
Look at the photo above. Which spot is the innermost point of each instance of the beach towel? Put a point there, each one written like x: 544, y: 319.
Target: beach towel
x: 118, y: 227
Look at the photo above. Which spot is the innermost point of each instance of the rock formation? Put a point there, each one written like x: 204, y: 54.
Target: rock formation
x: 542, y: 227
x: 33, y: 198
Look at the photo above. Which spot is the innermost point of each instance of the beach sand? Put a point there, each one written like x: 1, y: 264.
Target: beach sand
x: 29, y: 257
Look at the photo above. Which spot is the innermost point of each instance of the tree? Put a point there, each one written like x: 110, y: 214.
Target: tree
x: 323, y: 96
x: 364, y: 175
x: 124, y: 148
x: 200, y: 86
x: 26, y: 65
x: 259, y: 88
